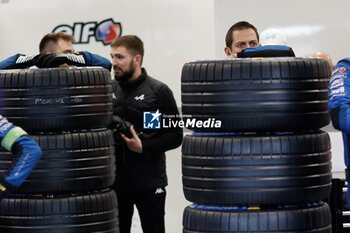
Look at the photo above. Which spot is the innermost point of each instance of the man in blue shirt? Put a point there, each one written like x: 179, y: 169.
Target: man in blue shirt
x: 56, y: 50
x: 339, y: 108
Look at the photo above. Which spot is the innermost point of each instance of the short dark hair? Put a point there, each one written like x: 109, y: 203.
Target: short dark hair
x: 51, y: 39
x: 236, y: 27
x: 132, y: 43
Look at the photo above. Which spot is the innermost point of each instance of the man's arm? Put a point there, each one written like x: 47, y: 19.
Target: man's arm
x: 17, y: 61
x: 75, y: 59
x: 97, y: 60
x: 25, y: 151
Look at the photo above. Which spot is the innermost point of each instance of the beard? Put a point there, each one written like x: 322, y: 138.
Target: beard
x: 125, y: 75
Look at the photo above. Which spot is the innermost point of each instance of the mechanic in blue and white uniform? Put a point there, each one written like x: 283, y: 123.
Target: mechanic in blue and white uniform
x: 56, y: 50
x: 25, y: 152
x: 339, y: 107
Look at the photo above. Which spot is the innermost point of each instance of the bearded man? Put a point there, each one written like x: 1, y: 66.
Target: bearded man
x: 140, y: 155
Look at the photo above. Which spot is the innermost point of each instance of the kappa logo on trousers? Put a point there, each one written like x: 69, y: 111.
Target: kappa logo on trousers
x: 159, y: 191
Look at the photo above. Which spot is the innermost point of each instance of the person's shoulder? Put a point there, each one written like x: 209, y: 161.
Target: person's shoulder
x: 155, y: 82
x: 342, y: 67
x: 115, y: 85
x: 158, y: 87
x: 343, y: 62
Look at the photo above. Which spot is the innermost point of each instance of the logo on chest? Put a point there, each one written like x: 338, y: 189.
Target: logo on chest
x: 141, y: 97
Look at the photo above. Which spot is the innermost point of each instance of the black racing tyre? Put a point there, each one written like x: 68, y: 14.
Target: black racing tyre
x: 71, y: 162
x: 315, y: 218
x: 57, y: 99
x: 256, y: 169
x: 88, y: 213
x: 270, y: 94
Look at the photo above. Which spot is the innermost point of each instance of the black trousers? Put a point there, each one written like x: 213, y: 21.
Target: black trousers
x: 150, y: 205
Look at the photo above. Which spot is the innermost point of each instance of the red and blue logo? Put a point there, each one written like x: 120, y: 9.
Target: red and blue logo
x: 105, y: 31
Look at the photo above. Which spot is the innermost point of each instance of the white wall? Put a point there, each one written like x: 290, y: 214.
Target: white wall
x: 173, y: 31
x: 310, y: 26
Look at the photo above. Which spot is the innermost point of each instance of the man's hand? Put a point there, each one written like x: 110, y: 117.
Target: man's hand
x: 134, y: 144
x: 60, y: 60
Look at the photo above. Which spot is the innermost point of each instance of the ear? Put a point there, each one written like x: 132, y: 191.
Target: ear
x: 227, y: 51
x: 138, y: 59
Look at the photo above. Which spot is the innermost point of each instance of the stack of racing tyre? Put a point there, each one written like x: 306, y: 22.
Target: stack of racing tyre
x: 257, y: 160
x: 67, y: 111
